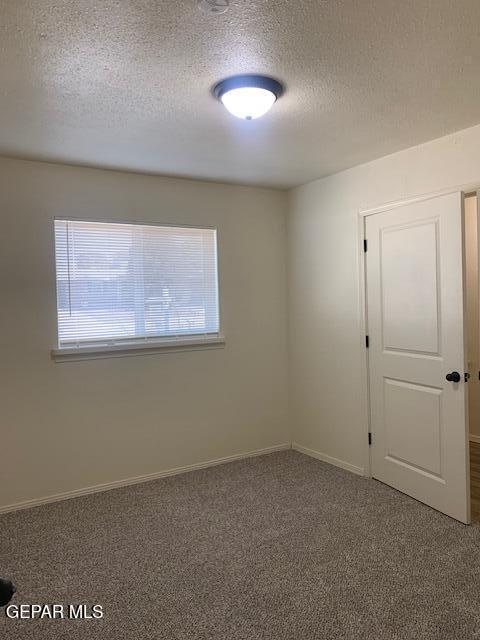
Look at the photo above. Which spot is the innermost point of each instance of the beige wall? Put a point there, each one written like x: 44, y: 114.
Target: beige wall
x: 67, y: 426
x: 471, y: 260
x: 326, y: 353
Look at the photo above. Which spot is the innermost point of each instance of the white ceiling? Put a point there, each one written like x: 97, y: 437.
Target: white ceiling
x: 126, y: 83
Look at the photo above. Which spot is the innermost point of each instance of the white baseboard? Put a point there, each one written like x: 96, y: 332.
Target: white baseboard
x: 360, y: 471
x: 474, y: 438
x: 76, y: 493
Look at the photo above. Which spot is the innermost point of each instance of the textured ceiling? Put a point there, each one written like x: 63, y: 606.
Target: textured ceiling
x: 126, y: 83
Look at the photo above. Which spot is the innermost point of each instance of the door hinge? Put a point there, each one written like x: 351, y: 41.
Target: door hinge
x: 369, y: 438
x: 365, y: 245
x: 367, y: 342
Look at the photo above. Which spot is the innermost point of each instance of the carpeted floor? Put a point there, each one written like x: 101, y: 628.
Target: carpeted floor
x: 272, y: 548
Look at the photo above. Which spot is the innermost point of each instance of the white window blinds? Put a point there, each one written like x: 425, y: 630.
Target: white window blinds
x: 118, y: 283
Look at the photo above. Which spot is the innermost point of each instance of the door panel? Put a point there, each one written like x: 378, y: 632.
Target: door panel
x: 410, y: 304
x: 415, y: 322
x: 413, y: 425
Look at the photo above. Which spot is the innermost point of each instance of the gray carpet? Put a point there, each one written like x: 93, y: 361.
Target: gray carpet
x: 271, y: 548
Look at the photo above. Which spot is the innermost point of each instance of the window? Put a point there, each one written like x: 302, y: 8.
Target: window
x: 122, y: 283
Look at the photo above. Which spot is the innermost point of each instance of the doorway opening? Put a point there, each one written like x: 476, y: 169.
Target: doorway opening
x: 472, y: 288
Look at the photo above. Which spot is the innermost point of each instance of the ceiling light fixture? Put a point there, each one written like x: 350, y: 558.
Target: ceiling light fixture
x: 248, y: 96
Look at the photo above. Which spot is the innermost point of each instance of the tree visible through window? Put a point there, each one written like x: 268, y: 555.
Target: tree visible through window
x: 121, y: 282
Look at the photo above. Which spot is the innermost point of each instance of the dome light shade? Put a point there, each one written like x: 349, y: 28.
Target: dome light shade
x: 249, y: 96
x: 248, y: 102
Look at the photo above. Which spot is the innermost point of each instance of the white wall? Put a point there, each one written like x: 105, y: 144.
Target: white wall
x: 326, y: 353
x: 67, y: 426
x: 471, y: 282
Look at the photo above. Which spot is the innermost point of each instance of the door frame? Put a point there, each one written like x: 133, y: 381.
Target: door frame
x: 469, y: 189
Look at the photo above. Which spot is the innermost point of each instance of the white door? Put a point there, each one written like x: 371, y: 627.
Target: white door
x: 415, y: 324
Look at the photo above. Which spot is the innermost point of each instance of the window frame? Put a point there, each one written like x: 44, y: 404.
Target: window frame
x: 103, y: 347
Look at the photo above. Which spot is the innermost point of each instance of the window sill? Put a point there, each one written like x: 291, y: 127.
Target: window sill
x: 168, y: 345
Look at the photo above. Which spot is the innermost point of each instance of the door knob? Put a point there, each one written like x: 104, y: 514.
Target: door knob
x: 453, y: 377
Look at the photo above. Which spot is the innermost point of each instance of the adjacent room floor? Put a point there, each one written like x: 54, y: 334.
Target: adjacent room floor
x: 475, y: 479
x: 276, y: 547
